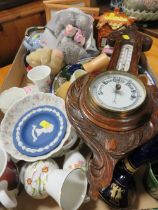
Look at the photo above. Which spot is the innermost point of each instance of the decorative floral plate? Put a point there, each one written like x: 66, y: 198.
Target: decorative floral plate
x: 20, y: 108
x: 39, y: 130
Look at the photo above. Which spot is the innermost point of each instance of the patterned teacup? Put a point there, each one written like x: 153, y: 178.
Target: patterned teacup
x: 74, y: 159
x: 40, y: 76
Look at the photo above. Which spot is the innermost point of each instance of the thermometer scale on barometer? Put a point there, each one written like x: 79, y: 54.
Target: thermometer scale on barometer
x: 128, y: 46
x: 124, y: 60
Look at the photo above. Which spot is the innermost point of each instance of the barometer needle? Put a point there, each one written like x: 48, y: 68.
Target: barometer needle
x: 117, y: 88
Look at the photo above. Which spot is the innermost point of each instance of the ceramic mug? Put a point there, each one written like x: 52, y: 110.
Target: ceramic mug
x: 74, y: 159
x: 67, y: 187
x: 9, y: 181
x: 40, y: 76
x: 34, y: 177
x: 151, y: 179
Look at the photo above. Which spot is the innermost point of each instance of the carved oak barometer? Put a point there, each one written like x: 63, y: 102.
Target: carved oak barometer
x: 114, y: 111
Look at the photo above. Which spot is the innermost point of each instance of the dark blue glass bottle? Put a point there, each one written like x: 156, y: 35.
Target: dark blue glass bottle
x: 117, y: 194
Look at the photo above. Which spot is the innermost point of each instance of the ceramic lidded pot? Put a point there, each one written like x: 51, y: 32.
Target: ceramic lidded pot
x: 34, y: 177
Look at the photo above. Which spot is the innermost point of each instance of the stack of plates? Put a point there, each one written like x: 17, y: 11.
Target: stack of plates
x: 36, y: 127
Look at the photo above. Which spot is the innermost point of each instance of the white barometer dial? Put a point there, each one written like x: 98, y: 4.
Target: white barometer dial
x: 117, y: 91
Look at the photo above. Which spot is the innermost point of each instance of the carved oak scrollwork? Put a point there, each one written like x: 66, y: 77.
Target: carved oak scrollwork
x: 107, y: 146
x: 109, y: 135
x: 98, y: 165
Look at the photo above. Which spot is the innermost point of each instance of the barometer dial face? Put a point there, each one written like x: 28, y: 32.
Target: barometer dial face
x: 117, y: 91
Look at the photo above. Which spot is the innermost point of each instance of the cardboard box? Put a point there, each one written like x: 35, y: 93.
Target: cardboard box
x: 17, y: 77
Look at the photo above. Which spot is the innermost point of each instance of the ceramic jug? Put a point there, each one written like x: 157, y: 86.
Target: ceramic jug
x: 34, y: 177
x: 44, y: 178
x: 67, y: 187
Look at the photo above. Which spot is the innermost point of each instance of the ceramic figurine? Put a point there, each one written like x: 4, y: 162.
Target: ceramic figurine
x: 111, y: 21
x: 116, y: 3
x: 32, y: 38
x: 73, y: 30
x: 46, y: 56
x: 34, y: 177
x: 117, y: 194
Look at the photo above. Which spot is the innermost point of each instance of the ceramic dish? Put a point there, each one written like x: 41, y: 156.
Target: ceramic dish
x: 141, y: 15
x: 39, y: 131
x: 66, y: 73
x: 20, y: 108
x: 10, y: 96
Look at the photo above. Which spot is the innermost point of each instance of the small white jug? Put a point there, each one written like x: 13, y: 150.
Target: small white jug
x: 67, y: 187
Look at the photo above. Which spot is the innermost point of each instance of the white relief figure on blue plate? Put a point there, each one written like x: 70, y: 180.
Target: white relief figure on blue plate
x: 45, y: 127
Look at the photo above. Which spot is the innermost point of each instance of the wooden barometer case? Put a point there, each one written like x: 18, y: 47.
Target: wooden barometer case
x: 114, y: 111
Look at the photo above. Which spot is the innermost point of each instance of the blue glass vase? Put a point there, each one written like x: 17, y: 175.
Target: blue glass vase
x: 117, y: 194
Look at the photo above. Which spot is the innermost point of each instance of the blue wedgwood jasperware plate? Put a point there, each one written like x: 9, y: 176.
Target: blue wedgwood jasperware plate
x: 39, y: 131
